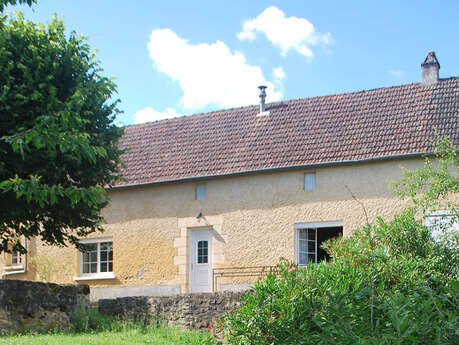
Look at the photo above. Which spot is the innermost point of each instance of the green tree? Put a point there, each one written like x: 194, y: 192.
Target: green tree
x: 434, y: 185
x: 433, y: 190
x: 58, y: 140
x: 3, y: 3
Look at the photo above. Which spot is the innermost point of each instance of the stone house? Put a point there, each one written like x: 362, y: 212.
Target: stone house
x: 212, y: 198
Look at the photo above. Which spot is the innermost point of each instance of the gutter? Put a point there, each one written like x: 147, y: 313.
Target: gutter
x: 287, y: 167
x: 24, y: 269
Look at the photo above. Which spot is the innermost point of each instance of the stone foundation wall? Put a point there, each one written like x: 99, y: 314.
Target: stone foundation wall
x: 36, y: 306
x: 199, y: 311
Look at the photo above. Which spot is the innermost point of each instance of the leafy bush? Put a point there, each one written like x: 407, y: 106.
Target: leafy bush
x: 89, y: 319
x: 391, y: 283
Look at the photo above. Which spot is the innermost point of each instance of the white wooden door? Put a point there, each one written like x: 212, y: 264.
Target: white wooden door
x: 200, y: 261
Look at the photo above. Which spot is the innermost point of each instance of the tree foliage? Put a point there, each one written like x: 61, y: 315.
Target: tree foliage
x: 431, y: 187
x: 58, y: 142
x: 4, y: 3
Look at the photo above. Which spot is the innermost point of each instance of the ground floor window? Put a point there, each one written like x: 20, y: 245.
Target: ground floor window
x: 15, y: 258
x: 309, y: 239
x: 97, y: 256
x: 443, y: 224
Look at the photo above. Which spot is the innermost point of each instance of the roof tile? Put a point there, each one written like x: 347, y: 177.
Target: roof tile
x: 361, y: 125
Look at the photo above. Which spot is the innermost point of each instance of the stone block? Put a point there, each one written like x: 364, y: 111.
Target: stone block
x: 180, y: 260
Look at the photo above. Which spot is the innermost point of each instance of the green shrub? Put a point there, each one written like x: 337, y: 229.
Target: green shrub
x: 388, y: 284
x: 89, y: 319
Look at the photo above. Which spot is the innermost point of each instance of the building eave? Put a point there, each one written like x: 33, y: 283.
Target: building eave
x: 274, y: 169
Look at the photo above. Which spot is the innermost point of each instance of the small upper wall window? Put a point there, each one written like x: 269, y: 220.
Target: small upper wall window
x: 201, y: 191
x: 310, y: 181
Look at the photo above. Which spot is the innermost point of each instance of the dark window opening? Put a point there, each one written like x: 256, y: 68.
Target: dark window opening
x: 310, y: 242
x: 324, y: 234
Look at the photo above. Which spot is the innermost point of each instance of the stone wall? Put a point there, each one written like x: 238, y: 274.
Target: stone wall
x: 199, y: 311
x: 36, y: 306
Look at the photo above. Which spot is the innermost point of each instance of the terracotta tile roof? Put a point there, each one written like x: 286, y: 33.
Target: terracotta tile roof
x: 355, y: 126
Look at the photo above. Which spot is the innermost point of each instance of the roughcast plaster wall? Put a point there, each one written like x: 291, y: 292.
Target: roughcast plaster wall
x: 252, y: 217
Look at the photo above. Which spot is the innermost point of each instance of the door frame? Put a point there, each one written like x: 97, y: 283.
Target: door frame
x: 192, y: 233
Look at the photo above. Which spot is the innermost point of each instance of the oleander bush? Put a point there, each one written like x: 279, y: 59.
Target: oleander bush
x: 391, y: 283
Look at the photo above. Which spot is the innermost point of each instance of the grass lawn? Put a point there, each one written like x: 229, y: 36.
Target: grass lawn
x: 159, y: 336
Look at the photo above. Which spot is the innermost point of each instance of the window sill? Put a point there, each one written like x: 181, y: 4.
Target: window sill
x: 96, y: 276
x: 13, y: 267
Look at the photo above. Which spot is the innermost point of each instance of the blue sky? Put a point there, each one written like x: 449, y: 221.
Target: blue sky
x: 173, y: 58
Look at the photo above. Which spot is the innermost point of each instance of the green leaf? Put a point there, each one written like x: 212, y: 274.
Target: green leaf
x: 58, y: 145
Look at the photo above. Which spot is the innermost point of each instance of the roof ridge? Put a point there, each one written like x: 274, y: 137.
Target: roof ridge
x: 194, y: 114
x: 283, y: 102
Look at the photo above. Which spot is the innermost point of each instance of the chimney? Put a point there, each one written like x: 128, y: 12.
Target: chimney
x: 262, y: 98
x: 430, y: 69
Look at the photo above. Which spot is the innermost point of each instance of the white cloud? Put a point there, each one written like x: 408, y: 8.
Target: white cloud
x: 208, y: 73
x: 397, y: 73
x: 149, y: 114
x: 284, y: 32
x: 279, y: 73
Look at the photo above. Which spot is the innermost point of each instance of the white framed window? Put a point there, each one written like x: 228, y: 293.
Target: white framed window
x: 443, y: 224
x: 96, y: 261
x: 201, y: 191
x: 307, y: 246
x: 202, y: 254
x: 310, y: 181
x: 16, y: 259
x: 309, y: 238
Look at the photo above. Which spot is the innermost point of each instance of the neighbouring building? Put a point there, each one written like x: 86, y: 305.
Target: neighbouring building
x: 211, y: 198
